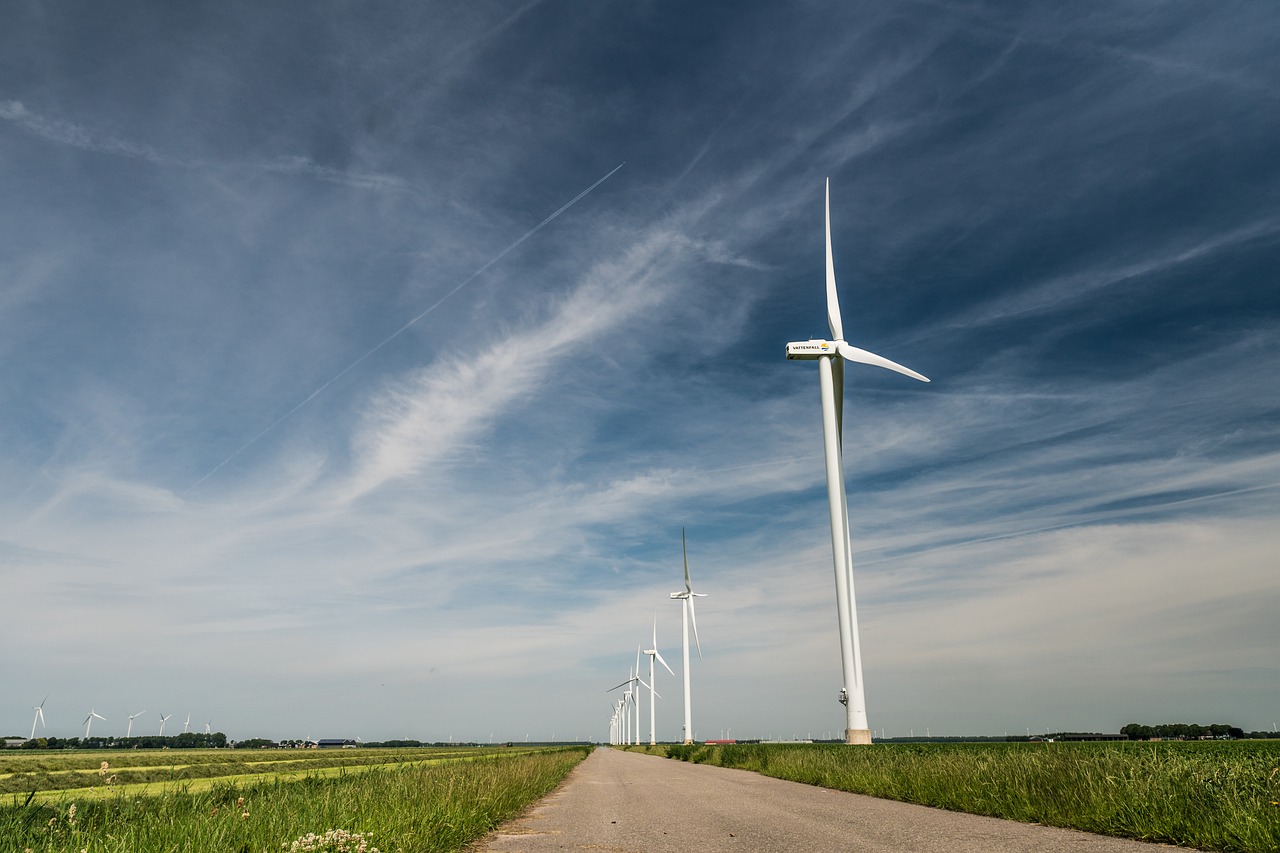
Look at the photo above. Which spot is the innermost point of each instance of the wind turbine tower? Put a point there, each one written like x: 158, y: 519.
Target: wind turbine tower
x: 686, y: 598
x: 129, y: 733
x: 162, y: 722
x: 654, y: 653
x: 88, y: 721
x: 831, y: 356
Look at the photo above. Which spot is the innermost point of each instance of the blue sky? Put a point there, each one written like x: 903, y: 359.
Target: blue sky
x: 237, y: 486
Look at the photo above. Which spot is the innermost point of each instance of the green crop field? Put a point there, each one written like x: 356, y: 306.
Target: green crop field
x: 1213, y: 795
x: 294, y: 800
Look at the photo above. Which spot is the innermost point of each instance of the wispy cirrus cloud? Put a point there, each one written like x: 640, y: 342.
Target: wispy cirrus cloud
x: 63, y: 132
x: 442, y: 409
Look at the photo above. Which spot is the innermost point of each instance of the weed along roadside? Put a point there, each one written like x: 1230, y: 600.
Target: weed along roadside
x: 1214, y: 795
x: 395, y: 800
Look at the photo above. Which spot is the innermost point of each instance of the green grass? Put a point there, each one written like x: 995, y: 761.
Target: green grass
x: 420, y: 802
x: 1212, y: 795
x: 90, y: 775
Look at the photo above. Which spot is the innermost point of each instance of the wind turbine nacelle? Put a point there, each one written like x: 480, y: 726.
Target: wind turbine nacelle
x: 809, y: 350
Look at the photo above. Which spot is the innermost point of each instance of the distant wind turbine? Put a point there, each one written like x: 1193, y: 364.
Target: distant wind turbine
x: 88, y: 721
x: 162, y: 722
x: 629, y: 702
x: 187, y: 725
x: 39, y: 709
x: 129, y: 733
x: 686, y: 598
x: 831, y: 356
x: 653, y: 654
x: 206, y: 726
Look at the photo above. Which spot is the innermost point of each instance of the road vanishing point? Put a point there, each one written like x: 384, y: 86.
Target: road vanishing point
x: 628, y: 802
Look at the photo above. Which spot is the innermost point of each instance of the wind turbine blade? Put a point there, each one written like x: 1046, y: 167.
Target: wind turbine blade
x: 693, y: 620
x: 660, y: 660
x: 685, y: 551
x: 833, y: 301
x: 623, y: 684
x: 861, y: 356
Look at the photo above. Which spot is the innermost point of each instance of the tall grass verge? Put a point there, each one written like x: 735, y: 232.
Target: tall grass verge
x: 436, y: 807
x: 1214, y: 796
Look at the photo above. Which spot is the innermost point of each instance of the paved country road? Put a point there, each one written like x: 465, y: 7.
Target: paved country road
x: 628, y: 802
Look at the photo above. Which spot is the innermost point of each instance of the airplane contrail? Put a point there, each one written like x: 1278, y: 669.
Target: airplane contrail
x: 389, y: 338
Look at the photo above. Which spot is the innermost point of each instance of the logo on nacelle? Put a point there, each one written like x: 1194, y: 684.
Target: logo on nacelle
x: 810, y: 349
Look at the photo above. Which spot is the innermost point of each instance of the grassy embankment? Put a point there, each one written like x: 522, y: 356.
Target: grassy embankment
x: 1211, y: 795
x: 399, y: 800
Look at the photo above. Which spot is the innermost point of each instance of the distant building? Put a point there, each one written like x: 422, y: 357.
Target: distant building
x: 336, y: 743
x: 1091, y: 736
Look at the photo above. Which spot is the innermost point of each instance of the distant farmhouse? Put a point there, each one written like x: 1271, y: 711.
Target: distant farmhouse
x: 336, y: 743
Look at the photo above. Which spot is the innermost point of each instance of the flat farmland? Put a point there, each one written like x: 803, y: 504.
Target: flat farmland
x: 195, y: 800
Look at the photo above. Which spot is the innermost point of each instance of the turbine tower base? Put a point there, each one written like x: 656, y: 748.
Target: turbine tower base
x: 857, y: 736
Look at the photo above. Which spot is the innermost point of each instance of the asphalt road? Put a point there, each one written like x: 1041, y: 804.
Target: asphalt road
x: 624, y: 802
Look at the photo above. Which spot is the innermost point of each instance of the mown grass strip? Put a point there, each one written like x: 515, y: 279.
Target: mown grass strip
x: 208, y: 783
x: 227, y: 763
x: 109, y: 782
x: 407, y: 806
x: 1214, y: 796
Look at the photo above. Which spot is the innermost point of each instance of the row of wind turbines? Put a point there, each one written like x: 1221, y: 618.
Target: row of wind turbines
x: 624, y: 725
x: 94, y: 715
x: 831, y: 356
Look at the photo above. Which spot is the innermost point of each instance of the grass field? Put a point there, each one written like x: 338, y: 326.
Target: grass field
x: 1211, y: 795
x: 226, y: 800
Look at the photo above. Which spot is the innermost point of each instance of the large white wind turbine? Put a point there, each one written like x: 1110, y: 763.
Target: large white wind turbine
x: 162, y: 722
x: 129, y: 733
x: 686, y: 598
x: 88, y: 721
x: 654, y: 653
x: 39, y: 709
x: 831, y: 356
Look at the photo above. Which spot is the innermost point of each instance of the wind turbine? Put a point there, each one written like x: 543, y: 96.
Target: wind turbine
x: 88, y: 721
x: 687, y: 597
x: 129, y: 733
x: 831, y: 356
x: 39, y: 709
x: 162, y: 722
x: 206, y: 726
x: 187, y: 725
x: 654, y: 653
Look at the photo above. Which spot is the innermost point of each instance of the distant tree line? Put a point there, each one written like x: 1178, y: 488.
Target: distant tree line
x: 405, y: 744
x: 186, y: 740
x: 1186, y: 731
